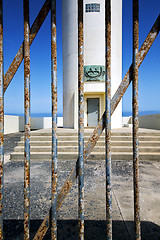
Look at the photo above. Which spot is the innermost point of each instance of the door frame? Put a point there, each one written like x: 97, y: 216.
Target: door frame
x: 98, y: 108
x: 101, y: 97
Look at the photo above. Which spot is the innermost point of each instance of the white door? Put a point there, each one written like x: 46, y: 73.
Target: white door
x: 92, y: 112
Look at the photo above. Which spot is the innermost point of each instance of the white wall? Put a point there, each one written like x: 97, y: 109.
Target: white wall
x: 36, y: 122
x: 11, y: 124
x: 21, y: 124
x: 70, y: 60
x: 116, y: 58
x: 146, y: 121
x: 126, y: 120
x: 93, y: 87
x: 150, y: 121
x: 94, y: 35
x: 14, y: 124
x: 45, y: 122
x: 94, y: 50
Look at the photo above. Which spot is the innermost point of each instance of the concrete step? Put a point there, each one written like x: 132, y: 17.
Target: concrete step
x: 141, y: 143
x: 96, y: 149
x: 93, y: 156
x: 99, y: 143
x: 121, y: 145
x: 102, y: 138
x: 89, y: 133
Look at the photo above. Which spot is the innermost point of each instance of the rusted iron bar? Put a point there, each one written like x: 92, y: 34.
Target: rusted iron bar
x: 27, y: 121
x: 33, y: 32
x: 108, y: 119
x: 54, y: 120
x: 135, y: 118
x: 1, y: 120
x: 100, y: 127
x: 80, y: 123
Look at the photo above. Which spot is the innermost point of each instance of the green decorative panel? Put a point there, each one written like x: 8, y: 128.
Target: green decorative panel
x: 94, y: 73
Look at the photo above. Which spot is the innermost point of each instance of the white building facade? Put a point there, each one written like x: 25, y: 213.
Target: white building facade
x: 94, y: 61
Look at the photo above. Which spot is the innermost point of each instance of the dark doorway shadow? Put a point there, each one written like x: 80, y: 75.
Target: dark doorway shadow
x: 68, y: 230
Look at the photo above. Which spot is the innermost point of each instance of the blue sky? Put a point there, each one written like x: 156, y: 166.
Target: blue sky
x: 149, y: 72
x: 149, y: 80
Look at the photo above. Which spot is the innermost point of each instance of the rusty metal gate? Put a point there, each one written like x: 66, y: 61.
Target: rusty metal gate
x: 104, y: 123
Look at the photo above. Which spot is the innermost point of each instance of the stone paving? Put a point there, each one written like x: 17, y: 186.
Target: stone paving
x: 95, y: 225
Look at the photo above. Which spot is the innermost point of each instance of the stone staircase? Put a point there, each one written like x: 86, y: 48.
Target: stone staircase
x: 149, y: 141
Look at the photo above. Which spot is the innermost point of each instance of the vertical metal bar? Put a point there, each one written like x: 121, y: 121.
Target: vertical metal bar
x: 1, y: 120
x: 108, y: 119
x: 54, y: 121
x: 135, y: 118
x: 99, y: 128
x: 27, y: 121
x: 80, y: 122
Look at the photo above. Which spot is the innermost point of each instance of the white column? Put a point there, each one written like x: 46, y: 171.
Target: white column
x: 116, y: 54
x: 94, y: 53
x: 70, y: 61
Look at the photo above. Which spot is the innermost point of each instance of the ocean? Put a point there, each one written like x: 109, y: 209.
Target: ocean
x: 124, y: 114
x: 35, y: 114
x: 141, y: 113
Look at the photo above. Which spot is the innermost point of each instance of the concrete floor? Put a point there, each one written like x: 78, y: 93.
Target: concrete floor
x: 95, y: 225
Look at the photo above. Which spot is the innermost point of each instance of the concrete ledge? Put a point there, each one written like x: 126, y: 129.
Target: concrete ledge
x: 150, y: 121
x: 13, y: 124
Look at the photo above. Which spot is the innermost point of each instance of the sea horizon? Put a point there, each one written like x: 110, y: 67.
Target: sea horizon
x: 141, y: 113
x: 124, y: 114
x: 35, y: 114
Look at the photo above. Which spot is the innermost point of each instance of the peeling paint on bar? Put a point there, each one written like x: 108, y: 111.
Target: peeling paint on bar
x: 100, y: 127
x: 33, y: 32
x: 108, y: 119
x: 54, y: 121
x: 80, y: 123
x: 27, y: 122
x: 135, y: 118
x: 1, y: 121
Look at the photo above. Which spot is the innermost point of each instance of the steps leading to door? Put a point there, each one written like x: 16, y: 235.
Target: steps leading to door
x: 121, y: 141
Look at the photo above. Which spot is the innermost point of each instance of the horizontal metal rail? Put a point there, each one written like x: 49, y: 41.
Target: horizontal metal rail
x: 33, y: 32
x: 100, y: 127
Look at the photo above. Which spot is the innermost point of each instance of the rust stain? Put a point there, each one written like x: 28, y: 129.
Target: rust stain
x: 108, y: 120
x: 54, y: 121
x: 80, y: 122
x: 135, y: 118
x: 27, y: 122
